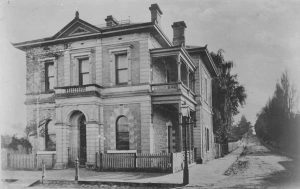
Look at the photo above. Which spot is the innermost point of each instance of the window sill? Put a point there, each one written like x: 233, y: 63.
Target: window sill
x: 45, y: 152
x: 121, y: 84
x: 121, y: 151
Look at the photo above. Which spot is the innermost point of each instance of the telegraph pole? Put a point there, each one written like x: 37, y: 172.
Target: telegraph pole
x: 186, y: 167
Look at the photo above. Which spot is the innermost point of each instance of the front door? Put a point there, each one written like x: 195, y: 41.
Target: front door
x: 82, y: 154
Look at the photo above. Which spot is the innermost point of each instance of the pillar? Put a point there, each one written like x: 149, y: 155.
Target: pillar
x: 62, y: 144
x: 92, y: 141
x: 179, y: 70
x: 188, y: 77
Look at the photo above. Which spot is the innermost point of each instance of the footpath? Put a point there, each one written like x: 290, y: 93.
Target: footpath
x: 204, y: 175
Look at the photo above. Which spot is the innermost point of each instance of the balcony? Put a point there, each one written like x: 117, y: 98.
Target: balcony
x: 176, y: 88
x: 78, y: 91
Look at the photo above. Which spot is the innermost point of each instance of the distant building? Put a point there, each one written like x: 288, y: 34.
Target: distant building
x: 118, y: 88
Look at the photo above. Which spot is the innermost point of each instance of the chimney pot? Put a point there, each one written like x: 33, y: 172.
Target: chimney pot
x: 155, y: 13
x: 111, y: 21
x: 178, y: 33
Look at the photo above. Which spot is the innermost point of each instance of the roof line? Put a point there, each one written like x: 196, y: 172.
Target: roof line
x: 204, y: 49
x: 163, y: 34
x: 70, y: 24
x: 51, y: 40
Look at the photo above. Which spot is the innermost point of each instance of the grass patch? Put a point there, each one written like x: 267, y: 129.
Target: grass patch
x: 237, y: 168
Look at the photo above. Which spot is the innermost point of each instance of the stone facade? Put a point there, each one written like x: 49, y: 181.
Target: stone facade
x: 152, y: 98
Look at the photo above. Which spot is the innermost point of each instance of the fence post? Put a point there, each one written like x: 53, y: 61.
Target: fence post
x: 69, y: 161
x: 96, y: 156
x: 135, y: 159
x: 53, y: 161
x: 8, y: 160
x: 171, y: 161
x: 35, y: 161
x: 43, y: 171
x: 100, y: 161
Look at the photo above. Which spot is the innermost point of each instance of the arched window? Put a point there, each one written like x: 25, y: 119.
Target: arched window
x: 122, y: 133
x: 50, y: 136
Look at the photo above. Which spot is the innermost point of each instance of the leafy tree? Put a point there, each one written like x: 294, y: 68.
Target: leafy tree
x: 15, y: 142
x: 31, y: 130
x: 237, y: 132
x: 276, y: 123
x: 227, y: 96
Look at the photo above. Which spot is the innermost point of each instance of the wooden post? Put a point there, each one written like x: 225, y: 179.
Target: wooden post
x: 100, y: 161
x: 135, y: 159
x: 171, y: 161
x: 96, y: 157
x: 43, y: 171
x: 53, y: 160
x: 35, y: 161
x: 76, y: 169
x: 8, y: 160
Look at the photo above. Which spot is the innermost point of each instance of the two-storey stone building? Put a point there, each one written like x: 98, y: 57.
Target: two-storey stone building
x: 118, y: 88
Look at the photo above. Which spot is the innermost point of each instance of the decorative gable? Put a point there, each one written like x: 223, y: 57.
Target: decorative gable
x: 76, y: 27
x: 79, y: 31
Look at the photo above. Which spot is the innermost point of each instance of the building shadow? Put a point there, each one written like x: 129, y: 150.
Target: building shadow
x: 287, y: 178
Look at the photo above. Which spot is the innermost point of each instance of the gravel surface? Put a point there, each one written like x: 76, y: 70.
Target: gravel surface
x: 258, y: 167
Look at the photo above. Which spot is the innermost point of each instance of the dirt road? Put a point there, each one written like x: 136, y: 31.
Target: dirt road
x: 258, y: 167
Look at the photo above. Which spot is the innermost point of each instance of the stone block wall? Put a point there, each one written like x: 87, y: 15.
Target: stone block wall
x: 46, y: 111
x: 111, y: 114
x: 136, y: 49
x: 35, y: 66
x: 163, y: 119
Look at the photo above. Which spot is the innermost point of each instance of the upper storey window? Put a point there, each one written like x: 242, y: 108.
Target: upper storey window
x: 206, y: 89
x: 121, y: 68
x: 84, y: 74
x: 49, y: 76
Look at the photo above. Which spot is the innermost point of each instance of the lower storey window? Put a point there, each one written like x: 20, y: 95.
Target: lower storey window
x: 122, y: 133
x: 50, y: 137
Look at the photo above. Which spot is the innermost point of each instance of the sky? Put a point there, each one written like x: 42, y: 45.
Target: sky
x: 261, y: 37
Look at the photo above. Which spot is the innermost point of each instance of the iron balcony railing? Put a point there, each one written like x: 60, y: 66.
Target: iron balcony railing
x: 172, y: 87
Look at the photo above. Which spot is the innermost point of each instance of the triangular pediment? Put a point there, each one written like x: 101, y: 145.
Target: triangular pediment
x: 76, y: 27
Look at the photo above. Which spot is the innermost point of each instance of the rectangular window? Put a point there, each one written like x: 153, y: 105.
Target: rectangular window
x: 192, y: 81
x: 84, y: 69
x: 121, y: 69
x: 49, y: 76
x: 50, y: 136
x: 205, y: 89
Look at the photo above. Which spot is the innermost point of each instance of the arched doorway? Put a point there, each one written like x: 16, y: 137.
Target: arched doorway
x: 77, y: 138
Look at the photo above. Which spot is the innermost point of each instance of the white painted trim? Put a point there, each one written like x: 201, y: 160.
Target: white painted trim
x: 120, y: 151
x: 75, y: 55
x: 46, y: 59
x: 119, y: 50
x: 45, y: 152
x: 79, y: 33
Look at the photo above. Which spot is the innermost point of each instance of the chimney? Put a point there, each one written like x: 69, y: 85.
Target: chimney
x: 155, y: 13
x: 111, y: 21
x: 178, y: 33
